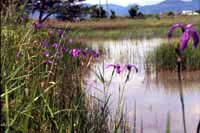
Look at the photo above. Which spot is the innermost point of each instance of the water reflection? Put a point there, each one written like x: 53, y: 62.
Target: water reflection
x: 155, y: 93
x: 181, y: 97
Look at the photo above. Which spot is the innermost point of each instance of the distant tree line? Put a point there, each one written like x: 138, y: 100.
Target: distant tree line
x: 134, y: 12
x: 65, y: 9
x: 198, y: 11
x: 61, y: 9
x: 98, y: 12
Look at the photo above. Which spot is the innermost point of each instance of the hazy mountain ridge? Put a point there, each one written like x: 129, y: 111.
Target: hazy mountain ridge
x: 165, y: 6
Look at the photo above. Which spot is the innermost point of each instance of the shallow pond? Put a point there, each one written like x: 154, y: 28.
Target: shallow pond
x: 156, y: 96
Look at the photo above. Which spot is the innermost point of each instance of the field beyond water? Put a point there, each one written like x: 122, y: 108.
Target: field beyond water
x: 124, y: 28
x: 45, y: 72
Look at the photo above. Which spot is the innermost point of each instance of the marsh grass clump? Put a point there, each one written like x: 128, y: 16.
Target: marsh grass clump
x: 164, y: 57
x: 42, y: 82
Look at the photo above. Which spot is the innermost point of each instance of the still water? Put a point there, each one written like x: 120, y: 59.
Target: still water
x: 157, y: 97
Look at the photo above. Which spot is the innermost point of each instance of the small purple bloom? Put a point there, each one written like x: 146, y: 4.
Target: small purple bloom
x: 37, y: 25
x: 58, y: 54
x: 116, y: 67
x: 46, y: 54
x: 84, y: 52
x: 48, y: 62
x: 188, y: 31
x: 130, y: 66
x: 94, y: 54
x: 75, y: 52
x: 45, y: 43
x: 56, y: 45
x: 64, y: 50
x: 60, y: 32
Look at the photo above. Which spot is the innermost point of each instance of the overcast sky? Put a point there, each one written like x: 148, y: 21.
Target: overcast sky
x: 127, y: 2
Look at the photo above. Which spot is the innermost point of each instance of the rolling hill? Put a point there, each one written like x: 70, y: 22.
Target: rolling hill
x: 165, y: 6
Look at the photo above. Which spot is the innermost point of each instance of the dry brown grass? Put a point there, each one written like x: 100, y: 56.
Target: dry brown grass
x: 122, y: 27
x: 125, y: 23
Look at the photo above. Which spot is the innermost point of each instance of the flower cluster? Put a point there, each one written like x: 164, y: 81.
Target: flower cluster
x: 61, y: 50
x: 118, y: 68
x: 38, y: 25
x: 75, y: 52
x: 56, y: 49
x: 85, y: 52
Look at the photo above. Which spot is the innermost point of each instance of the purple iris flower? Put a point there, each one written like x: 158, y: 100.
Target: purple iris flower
x: 173, y: 27
x: 94, y: 53
x: 56, y: 45
x: 37, y: 25
x: 130, y: 66
x: 74, y: 52
x: 64, y: 50
x: 88, y: 52
x: 116, y: 67
x: 58, y: 54
x: 46, y: 54
x: 45, y: 43
x: 84, y: 52
x: 119, y: 68
x: 60, y: 32
x: 187, y: 32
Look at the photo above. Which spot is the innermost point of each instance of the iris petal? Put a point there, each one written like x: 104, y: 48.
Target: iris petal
x: 173, y: 27
x: 110, y: 65
x: 184, y: 40
x: 74, y: 52
x: 195, y: 37
x: 189, y: 26
x: 116, y: 67
x: 118, y: 70
x: 130, y: 66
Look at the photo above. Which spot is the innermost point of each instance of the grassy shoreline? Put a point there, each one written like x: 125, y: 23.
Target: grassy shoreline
x: 164, y: 57
x: 44, y: 97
